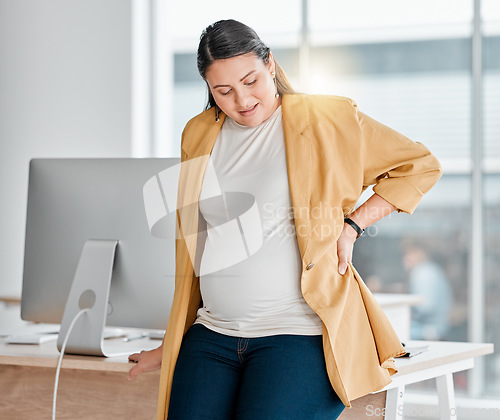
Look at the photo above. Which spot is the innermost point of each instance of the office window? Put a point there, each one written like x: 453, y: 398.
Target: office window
x: 492, y: 270
x: 491, y: 42
x: 410, y: 68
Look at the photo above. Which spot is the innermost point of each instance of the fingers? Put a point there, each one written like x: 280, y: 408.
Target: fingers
x: 342, y: 264
x: 342, y: 268
x: 345, y: 245
x: 344, y: 252
x: 132, y: 373
x: 135, y: 357
x: 146, y: 361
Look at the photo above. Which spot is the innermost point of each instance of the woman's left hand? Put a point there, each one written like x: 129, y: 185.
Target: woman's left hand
x: 146, y: 361
x: 345, y: 245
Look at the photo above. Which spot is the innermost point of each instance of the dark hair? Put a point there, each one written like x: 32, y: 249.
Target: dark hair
x: 230, y: 38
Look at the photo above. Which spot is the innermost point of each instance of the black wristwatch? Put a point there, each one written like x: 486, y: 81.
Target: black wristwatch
x: 355, y: 226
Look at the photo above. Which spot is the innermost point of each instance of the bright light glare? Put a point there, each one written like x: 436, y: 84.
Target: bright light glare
x: 337, y: 15
x: 266, y: 17
x: 490, y: 10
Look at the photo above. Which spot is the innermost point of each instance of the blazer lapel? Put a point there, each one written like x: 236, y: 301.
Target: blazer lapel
x: 196, y: 152
x: 299, y: 165
x: 202, y: 139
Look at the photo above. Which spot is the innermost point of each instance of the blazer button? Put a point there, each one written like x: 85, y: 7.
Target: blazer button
x: 311, y: 265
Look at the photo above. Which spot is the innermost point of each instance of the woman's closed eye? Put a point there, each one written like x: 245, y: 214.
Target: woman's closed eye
x: 227, y: 92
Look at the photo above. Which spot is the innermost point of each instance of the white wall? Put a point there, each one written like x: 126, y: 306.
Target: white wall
x: 64, y: 92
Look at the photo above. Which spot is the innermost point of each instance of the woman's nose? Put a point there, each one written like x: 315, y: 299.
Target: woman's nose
x: 242, y: 99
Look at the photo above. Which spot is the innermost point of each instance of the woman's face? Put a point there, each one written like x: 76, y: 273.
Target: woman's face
x: 243, y: 88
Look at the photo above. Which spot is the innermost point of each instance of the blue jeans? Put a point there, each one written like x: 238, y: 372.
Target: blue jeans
x: 281, y: 377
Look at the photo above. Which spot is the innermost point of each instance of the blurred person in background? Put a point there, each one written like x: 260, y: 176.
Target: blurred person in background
x: 426, y: 278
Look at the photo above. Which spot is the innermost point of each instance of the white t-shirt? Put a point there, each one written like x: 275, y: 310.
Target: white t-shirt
x: 260, y: 294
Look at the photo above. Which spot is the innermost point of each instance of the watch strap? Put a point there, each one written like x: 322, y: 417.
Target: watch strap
x: 354, y: 225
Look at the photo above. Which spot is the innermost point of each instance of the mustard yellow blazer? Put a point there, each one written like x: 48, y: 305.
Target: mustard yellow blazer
x: 333, y: 153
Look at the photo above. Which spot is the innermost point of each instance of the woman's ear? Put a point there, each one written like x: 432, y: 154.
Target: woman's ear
x: 271, y: 66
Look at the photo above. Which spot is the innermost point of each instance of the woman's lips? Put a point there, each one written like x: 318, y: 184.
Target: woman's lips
x: 249, y: 111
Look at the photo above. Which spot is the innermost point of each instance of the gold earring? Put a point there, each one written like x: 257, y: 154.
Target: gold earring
x: 276, y: 95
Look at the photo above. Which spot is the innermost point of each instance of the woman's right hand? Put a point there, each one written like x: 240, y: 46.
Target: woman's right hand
x: 146, y: 361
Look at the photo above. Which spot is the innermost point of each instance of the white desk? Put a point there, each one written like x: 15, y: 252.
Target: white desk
x: 440, y: 361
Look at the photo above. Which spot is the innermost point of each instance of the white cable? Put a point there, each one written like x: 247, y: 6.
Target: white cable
x: 59, y: 362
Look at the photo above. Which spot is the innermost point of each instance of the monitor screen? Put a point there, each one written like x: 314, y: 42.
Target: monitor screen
x: 72, y: 201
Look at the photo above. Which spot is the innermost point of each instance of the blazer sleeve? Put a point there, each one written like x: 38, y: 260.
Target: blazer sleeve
x: 400, y: 169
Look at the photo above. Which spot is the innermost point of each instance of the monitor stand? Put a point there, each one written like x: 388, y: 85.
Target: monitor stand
x: 90, y: 289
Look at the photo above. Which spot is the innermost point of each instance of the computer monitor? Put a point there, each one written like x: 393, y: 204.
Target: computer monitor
x: 90, y: 221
